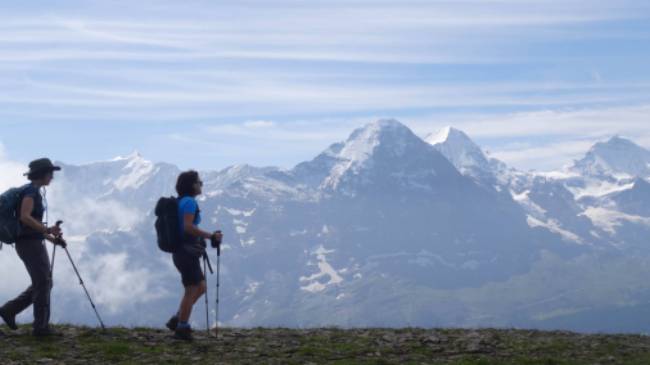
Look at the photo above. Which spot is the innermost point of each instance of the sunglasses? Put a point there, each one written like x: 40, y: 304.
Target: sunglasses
x: 200, y: 183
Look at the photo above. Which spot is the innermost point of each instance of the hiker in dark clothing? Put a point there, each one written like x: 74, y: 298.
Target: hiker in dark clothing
x: 30, y: 247
x: 187, y: 259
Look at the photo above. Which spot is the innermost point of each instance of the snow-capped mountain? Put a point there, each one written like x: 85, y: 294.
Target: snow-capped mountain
x: 381, y: 155
x: 462, y: 152
x: 549, y: 205
x: 382, y: 229
x: 125, y: 178
x: 615, y: 158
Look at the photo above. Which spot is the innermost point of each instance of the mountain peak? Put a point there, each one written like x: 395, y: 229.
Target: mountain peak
x: 362, y: 142
x: 445, y: 134
x: 379, y: 127
x: 617, y: 139
x: 385, y: 147
x: 616, y: 156
x: 388, y: 123
x: 135, y: 155
x: 461, y: 151
x: 616, y: 144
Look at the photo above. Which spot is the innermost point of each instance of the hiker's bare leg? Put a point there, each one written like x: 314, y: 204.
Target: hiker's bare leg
x: 192, y: 294
x: 200, y: 290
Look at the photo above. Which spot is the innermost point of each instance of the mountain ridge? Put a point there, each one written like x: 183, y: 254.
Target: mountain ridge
x: 396, y: 223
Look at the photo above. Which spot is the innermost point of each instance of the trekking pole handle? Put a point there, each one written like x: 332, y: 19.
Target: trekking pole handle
x: 59, y: 237
x: 216, y: 243
x: 58, y: 225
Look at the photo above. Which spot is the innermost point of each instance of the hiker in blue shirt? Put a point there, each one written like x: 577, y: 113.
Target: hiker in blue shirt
x: 187, y: 259
x: 31, y: 249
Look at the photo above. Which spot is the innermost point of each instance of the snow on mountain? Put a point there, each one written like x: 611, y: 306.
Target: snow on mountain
x: 382, y: 153
x: 609, y: 220
x: 135, y: 172
x: 551, y: 205
x: 634, y: 200
x: 266, y: 183
x: 539, y: 197
x: 618, y: 157
x: 607, y: 168
x: 564, y: 203
x: 383, y: 228
x: 126, y: 176
x: 461, y: 151
x: 325, y: 269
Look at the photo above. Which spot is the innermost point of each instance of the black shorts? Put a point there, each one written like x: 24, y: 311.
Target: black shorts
x: 190, y: 268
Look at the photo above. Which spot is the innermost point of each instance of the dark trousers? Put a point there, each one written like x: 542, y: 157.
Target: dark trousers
x: 35, y: 258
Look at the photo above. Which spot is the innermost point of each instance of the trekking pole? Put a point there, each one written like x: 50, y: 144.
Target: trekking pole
x: 58, y: 224
x: 52, y: 264
x: 205, y: 274
x: 216, y: 325
x: 84, y: 286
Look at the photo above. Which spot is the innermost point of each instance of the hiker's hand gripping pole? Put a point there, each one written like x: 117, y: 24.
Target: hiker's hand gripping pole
x: 54, y: 244
x: 215, y: 241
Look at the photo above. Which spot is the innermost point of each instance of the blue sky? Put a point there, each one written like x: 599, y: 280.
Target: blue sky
x: 207, y: 84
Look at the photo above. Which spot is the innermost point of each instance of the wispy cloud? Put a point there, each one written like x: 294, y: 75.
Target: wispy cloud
x: 594, y: 122
x: 544, y: 157
x: 276, y: 96
x: 226, y: 64
x: 547, y: 140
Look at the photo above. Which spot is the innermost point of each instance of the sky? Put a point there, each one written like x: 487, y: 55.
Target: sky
x: 208, y: 84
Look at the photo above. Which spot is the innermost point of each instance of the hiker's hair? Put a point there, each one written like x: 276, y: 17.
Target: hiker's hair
x: 185, y: 183
x: 37, y: 175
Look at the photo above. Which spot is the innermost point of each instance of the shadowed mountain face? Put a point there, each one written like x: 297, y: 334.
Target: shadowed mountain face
x: 383, y: 229
x: 635, y: 200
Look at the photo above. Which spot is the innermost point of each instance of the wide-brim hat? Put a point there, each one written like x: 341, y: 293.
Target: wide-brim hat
x: 41, y: 165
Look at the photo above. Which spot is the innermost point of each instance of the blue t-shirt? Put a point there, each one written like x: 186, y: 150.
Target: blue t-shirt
x: 38, y: 211
x: 188, y: 205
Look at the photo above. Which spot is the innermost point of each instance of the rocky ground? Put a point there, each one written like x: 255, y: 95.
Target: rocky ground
x: 81, y: 345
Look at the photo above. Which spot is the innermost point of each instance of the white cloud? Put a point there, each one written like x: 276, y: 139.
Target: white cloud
x: 12, y: 171
x: 193, y: 99
x: 83, y: 216
x: 259, y: 124
x: 15, y: 278
x: 270, y: 131
x: 122, y: 286
x: 588, y: 122
x: 550, y: 156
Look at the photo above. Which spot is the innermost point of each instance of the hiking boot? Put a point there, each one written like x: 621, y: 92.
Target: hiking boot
x: 46, y: 332
x: 9, y: 320
x: 184, y: 333
x: 172, y: 323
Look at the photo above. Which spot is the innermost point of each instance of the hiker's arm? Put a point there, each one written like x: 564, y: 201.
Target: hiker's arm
x: 26, y: 216
x: 190, y: 228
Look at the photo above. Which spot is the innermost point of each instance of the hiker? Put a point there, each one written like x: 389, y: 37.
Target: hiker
x: 191, y: 250
x: 30, y: 247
